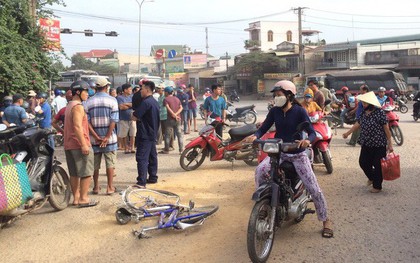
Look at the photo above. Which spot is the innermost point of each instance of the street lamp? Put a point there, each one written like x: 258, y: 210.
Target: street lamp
x: 140, y: 5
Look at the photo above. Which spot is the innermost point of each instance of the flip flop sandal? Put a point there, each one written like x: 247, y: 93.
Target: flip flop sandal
x: 115, y: 191
x: 327, y: 233
x: 163, y: 152
x: 90, y: 204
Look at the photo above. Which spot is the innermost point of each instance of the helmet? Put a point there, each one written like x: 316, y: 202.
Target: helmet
x: 344, y: 89
x: 7, y: 98
x: 382, y: 89
x: 42, y: 95
x: 79, y: 85
x: 391, y: 90
x: 91, y: 92
x: 69, y: 95
x: 92, y: 84
x: 285, y: 85
x: 332, y: 91
x: 352, y: 99
x: 57, y: 92
x: 321, y: 83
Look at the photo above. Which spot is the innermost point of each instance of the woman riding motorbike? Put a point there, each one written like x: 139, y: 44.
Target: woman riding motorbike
x: 287, y: 114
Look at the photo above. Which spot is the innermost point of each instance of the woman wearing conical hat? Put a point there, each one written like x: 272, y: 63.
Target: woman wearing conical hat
x: 375, y: 139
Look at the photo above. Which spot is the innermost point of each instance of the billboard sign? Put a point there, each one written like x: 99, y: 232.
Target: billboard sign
x: 195, y: 61
x: 51, y: 29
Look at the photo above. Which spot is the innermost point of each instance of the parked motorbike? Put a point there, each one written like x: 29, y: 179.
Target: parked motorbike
x: 246, y: 114
x: 49, y: 181
x: 234, y: 96
x: 208, y: 143
x: 349, y: 118
x: 400, y: 105
x: 416, y: 115
x: 321, y: 145
x: 394, y: 127
x: 282, y: 198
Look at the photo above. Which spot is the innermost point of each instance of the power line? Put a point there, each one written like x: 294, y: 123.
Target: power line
x: 370, y: 15
x: 368, y: 28
x: 364, y: 22
x: 166, y: 23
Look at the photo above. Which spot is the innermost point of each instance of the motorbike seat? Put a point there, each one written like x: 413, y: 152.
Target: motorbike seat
x: 237, y: 134
x: 7, y: 134
x: 242, y: 109
x: 290, y: 171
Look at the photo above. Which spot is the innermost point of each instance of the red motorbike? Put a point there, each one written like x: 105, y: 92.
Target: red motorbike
x: 394, y: 127
x: 321, y: 145
x: 208, y: 143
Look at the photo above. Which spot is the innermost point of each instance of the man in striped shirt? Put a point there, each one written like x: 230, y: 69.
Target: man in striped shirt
x: 102, y: 112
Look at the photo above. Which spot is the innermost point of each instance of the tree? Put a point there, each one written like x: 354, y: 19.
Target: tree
x: 79, y: 62
x: 24, y: 62
x: 258, y: 63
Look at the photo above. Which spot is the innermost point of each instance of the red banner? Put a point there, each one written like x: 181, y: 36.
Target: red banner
x: 52, y: 32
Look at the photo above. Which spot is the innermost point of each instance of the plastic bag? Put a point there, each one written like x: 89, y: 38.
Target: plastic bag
x: 391, y: 167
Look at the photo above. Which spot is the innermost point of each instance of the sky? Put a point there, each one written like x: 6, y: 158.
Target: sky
x: 338, y: 21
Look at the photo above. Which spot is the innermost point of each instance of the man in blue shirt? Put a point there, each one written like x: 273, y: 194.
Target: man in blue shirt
x: 359, y: 109
x: 147, y: 115
x: 15, y: 113
x: 45, y: 114
x: 214, y: 106
x: 126, y: 126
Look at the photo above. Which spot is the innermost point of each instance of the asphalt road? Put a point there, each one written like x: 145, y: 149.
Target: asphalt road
x: 382, y: 227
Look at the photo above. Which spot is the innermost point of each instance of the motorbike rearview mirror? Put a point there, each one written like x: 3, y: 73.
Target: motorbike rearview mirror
x: 29, y: 123
x: 3, y: 127
x: 303, y: 126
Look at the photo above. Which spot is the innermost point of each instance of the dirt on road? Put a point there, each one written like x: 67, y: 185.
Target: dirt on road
x: 382, y: 227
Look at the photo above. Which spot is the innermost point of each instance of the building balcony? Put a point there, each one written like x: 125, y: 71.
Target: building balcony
x: 335, y: 65
x: 409, y: 62
x: 252, y: 44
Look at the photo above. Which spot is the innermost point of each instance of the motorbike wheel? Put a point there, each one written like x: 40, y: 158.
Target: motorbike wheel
x: 397, y: 135
x: 259, y: 238
x: 415, y: 118
x: 327, y: 161
x: 191, y: 155
x: 403, y: 109
x: 250, y: 118
x: 60, y: 190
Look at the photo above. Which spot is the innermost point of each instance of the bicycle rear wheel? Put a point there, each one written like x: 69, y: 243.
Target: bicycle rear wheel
x: 197, y: 213
x: 146, y: 198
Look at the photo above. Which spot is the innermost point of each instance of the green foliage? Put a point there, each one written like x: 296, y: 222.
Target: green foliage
x: 79, y: 62
x: 24, y: 63
x: 258, y: 63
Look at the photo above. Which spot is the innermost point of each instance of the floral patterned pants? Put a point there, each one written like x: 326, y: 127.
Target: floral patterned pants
x: 305, y: 173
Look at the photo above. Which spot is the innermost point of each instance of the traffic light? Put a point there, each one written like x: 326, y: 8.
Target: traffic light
x: 111, y: 34
x: 66, y: 31
x: 88, y: 33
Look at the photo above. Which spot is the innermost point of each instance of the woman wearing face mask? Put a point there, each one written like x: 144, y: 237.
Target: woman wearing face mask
x: 375, y: 138
x: 286, y: 115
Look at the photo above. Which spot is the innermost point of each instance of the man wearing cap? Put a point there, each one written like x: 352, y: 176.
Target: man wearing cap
x: 32, y: 101
x: 77, y: 146
x: 173, y: 121
x: 44, y: 114
x: 156, y: 94
x: 102, y: 113
x: 15, y: 113
x: 126, y: 126
x: 147, y: 114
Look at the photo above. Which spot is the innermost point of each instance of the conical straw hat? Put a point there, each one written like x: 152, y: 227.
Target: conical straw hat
x: 369, y: 98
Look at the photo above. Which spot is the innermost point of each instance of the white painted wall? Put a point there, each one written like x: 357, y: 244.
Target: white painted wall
x: 279, y: 29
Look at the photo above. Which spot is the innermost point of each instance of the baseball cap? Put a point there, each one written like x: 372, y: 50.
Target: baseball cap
x: 168, y: 89
x: 102, y: 82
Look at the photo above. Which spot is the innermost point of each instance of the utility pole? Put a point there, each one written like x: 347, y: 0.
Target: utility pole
x: 301, y: 48
x: 32, y: 11
x: 207, y: 46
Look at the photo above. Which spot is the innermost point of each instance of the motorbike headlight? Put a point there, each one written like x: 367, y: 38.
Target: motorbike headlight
x: 271, y: 147
x: 314, y: 118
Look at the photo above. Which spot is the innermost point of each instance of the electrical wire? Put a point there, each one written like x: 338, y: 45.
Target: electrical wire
x: 370, y: 15
x: 364, y: 22
x: 368, y: 28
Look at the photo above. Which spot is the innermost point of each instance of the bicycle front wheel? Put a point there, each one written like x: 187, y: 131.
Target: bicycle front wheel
x: 197, y: 213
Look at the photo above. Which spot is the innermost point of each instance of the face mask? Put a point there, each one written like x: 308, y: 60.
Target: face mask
x: 280, y: 101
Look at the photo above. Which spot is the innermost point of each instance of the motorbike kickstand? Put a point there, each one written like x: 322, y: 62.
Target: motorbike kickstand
x: 140, y: 233
x: 232, y: 165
